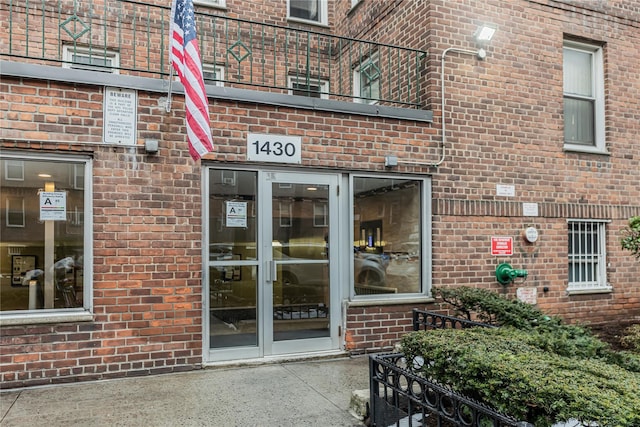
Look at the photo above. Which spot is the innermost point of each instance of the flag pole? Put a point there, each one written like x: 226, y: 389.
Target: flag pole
x: 168, y: 104
x: 171, y: 24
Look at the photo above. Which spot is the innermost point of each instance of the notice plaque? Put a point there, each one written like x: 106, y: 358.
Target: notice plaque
x: 237, y: 214
x: 501, y: 245
x: 120, y: 116
x: 53, y: 206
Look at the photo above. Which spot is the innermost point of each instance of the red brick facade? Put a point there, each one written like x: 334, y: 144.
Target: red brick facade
x: 504, y: 127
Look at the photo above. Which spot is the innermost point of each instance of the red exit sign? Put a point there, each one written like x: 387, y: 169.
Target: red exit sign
x: 501, y: 245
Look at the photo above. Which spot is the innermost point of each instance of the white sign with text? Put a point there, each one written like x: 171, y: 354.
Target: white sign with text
x: 120, y: 116
x: 274, y: 148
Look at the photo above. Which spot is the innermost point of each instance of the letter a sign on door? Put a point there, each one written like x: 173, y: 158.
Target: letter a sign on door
x: 53, y: 206
x: 236, y: 214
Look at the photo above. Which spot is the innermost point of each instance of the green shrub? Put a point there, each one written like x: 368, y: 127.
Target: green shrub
x: 547, y: 333
x: 631, y: 236
x: 507, y: 369
x: 489, y: 307
x: 631, y: 338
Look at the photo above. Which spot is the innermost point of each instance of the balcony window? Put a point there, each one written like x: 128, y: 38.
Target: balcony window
x: 212, y: 3
x: 93, y: 59
x: 213, y: 74
x: 366, y: 81
x: 313, y: 88
x: 313, y: 11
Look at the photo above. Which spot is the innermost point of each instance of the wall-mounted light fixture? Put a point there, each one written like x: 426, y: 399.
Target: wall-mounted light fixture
x: 482, y: 36
x: 151, y: 146
x: 485, y: 33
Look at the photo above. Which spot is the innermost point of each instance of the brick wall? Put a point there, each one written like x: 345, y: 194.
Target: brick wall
x: 504, y: 126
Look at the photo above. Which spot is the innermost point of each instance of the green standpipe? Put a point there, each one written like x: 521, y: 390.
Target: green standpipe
x: 506, y: 274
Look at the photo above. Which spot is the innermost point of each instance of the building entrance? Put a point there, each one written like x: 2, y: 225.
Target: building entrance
x: 272, y: 263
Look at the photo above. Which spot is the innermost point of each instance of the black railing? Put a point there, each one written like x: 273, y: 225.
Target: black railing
x: 131, y: 38
x: 400, y: 396
x: 427, y: 320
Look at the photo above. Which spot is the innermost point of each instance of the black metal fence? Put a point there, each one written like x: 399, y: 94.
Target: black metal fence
x: 427, y: 320
x: 400, y: 397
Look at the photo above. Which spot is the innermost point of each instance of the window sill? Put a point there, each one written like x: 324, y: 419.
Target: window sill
x: 354, y: 7
x: 307, y: 22
x: 212, y: 5
x: 603, y: 290
x: 572, y: 148
x: 43, y: 318
x: 421, y: 299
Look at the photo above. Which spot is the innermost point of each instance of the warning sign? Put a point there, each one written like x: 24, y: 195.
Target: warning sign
x: 53, y: 206
x: 501, y: 245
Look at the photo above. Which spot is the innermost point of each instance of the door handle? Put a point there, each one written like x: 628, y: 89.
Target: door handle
x: 271, y: 271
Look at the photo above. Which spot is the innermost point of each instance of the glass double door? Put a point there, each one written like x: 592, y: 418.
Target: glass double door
x: 272, y: 271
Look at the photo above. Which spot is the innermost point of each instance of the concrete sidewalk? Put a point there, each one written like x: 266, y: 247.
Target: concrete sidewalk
x: 301, y: 393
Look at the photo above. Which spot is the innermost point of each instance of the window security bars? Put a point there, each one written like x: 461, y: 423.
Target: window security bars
x: 587, y: 267
x: 251, y: 55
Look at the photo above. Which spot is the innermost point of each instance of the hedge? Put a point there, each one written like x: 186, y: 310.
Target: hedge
x: 503, y: 369
x: 533, y: 367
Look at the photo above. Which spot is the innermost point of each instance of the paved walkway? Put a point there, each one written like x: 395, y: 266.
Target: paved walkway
x: 301, y: 393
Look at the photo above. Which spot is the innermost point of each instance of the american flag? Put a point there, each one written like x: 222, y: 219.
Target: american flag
x: 185, y: 57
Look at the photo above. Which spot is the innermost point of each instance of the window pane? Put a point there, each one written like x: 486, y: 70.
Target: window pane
x: 232, y: 235
x: 577, y: 72
x: 579, y: 121
x: 370, y: 82
x: 388, y: 234
x: 586, y: 257
x: 305, y: 9
x: 300, y: 89
x: 27, y: 282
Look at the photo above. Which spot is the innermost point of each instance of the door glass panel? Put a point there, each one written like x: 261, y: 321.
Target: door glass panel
x: 233, y: 266
x: 232, y: 300
x: 300, y: 250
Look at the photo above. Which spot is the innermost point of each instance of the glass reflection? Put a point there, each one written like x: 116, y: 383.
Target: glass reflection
x: 232, y: 303
x: 300, y: 249
x: 387, y: 229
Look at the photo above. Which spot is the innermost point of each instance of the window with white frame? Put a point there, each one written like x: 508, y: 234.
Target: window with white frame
x: 94, y: 59
x: 366, y: 81
x: 13, y: 170
x: 583, y: 97
x: 320, y: 215
x: 314, y: 88
x: 213, y: 74
x: 587, y: 256
x: 390, y: 245
x: 65, y: 283
x: 312, y: 11
x: 15, y: 211
x: 214, y: 3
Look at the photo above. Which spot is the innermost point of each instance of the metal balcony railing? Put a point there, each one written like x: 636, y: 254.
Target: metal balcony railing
x: 131, y: 38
